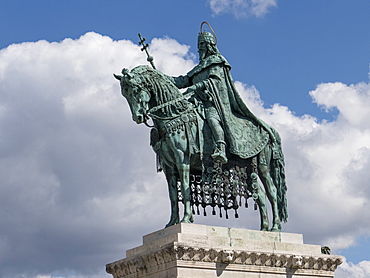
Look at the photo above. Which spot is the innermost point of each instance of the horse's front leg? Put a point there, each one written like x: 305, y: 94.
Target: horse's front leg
x: 180, y: 150
x: 184, y: 173
x: 171, y: 177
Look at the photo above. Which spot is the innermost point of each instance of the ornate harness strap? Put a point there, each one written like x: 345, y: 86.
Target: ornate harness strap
x: 156, y: 108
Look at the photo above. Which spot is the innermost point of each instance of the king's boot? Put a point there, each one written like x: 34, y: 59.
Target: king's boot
x: 220, y: 152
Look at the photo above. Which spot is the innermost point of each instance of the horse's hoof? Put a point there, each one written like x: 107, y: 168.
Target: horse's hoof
x: 185, y: 220
x: 274, y: 229
x: 191, y: 219
x: 168, y: 225
x: 171, y: 223
x: 265, y: 227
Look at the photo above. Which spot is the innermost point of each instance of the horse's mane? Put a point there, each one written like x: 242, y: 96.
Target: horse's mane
x: 161, y: 88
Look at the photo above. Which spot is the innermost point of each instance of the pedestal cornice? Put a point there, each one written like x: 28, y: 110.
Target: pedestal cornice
x: 189, y: 250
x: 176, y: 253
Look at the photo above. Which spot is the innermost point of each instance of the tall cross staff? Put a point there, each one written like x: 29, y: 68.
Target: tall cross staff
x: 145, y: 47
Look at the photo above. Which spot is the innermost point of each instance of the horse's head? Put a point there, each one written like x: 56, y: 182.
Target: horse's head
x: 133, y: 89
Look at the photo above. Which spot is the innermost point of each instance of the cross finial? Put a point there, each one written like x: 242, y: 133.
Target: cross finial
x: 145, y: 48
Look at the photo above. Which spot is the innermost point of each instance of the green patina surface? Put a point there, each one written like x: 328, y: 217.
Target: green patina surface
x: 210, y: 146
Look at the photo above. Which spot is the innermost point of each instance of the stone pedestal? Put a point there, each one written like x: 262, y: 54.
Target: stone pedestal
x: 191, y: 250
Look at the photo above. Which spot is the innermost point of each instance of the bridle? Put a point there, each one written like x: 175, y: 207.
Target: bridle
x: 147, y: 114
x: 150, y: 113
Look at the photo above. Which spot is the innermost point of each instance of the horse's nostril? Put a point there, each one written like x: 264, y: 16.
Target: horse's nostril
x: 139, y: 119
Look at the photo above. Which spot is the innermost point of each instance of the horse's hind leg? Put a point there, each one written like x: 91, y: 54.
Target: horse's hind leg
x: 171, y: 177
x: 271, y: 191
x: 260, y: 199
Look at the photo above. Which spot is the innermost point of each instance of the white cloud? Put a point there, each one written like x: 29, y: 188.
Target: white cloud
x: 327, y: 165
x: 350, y: 270
x: 169, y: 54
x: 346, y: 99
x: 76, y: 172
x: 78, y: 176
x: 242, y: 8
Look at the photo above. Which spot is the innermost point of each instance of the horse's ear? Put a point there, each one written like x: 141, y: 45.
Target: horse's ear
x: 118, y: 77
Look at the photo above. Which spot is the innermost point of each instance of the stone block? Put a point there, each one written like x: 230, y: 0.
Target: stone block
x: 190, y: 250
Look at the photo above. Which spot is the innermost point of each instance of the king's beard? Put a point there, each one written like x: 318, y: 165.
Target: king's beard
x: 202, y: 54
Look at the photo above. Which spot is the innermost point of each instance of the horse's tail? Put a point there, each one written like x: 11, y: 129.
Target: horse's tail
x: 278, y: 176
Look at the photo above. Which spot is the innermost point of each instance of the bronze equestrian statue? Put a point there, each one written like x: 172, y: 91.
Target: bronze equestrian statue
x: 210, y: 146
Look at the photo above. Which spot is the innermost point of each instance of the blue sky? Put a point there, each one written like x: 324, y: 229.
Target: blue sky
x: 302, y: 66
x: 284, y: 53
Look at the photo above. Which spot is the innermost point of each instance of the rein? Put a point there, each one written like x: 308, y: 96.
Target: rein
x: 149, y: 114
x: 156, y: 108
x: 148, y: 125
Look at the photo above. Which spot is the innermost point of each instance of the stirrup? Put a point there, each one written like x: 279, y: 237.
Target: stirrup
x: 219, y: 155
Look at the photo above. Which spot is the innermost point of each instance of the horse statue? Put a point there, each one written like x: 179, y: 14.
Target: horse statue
x: 181, y: 139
